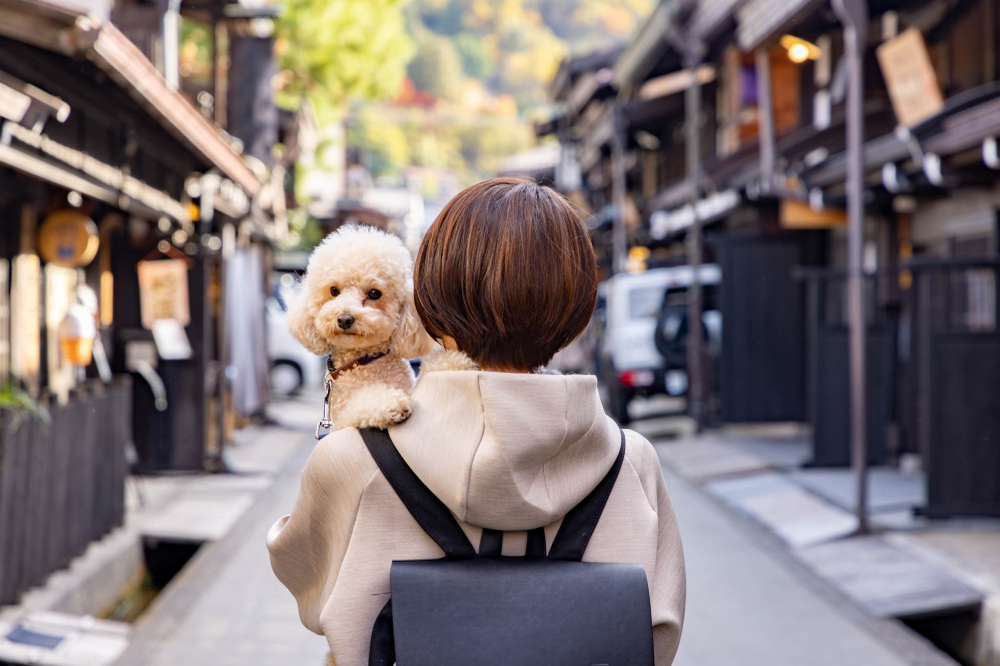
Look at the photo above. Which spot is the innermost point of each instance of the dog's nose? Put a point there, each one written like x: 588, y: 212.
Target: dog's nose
x: 345, y: 321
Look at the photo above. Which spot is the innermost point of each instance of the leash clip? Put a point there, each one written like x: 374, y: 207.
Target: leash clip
x: 325, y: 423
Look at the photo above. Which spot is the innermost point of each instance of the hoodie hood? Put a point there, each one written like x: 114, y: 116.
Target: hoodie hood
x: 508, y: 451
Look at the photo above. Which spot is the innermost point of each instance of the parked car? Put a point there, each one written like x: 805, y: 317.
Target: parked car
x: 671, y: 333
x: 292, y: 365
x: 629, y: 362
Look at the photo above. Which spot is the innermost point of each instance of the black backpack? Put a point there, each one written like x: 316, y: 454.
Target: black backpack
x: 480, y: 608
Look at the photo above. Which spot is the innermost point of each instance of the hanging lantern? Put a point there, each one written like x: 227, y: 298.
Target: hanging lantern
x: 76, y: 335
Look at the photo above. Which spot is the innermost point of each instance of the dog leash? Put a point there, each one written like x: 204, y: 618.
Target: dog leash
x: 332, y: 373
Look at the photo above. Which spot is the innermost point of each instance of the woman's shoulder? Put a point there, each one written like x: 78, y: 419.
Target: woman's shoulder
x: 642, y: 456
x: 340, y: 460
x: 639, y: 451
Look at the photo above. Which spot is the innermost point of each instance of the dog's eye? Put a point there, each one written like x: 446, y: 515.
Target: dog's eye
x: 334, y: 291
x: 374, y: 294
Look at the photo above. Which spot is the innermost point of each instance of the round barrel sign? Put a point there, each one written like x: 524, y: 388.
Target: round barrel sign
x: 68, y: 238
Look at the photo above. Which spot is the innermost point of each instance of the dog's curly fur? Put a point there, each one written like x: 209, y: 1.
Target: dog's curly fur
x: 355, y: 260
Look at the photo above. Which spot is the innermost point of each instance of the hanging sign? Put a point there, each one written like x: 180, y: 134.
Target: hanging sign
x: 909, y: 76
x: 68, y: 238
x: 798, y: 215
x: 26, y: 313
x: 163, y: 291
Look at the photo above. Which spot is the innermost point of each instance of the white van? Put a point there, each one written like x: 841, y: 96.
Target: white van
x: 629, y: 362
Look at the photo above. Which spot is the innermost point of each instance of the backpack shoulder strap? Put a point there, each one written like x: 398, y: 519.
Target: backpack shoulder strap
x: 430, y: 513
x: 577, y: 527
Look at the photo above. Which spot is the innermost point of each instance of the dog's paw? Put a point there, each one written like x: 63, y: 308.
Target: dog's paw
x: 376, y: 408
x: 394, y: 411
x: 398, y: 415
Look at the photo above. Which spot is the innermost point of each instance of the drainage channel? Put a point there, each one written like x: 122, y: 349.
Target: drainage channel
x: 162, y: 561
x: 957, y: 634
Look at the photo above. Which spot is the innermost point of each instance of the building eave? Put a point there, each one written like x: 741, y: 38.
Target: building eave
x: 73, y: 33
x: 647, y: 47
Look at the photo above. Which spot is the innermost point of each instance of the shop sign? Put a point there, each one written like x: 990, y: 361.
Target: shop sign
x: 163, y: 291
x: 798, y: 215
x: 68, y: 238
x: 172, y: 343
x: 25, y: 328
x: 909, y: 76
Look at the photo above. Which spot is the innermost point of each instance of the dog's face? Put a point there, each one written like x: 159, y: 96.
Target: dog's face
x: 364, y: 303
x: 357, y: 296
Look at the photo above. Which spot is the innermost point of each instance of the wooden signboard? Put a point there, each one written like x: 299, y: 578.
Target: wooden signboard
x: 797, y: 215
x: 909, y: 75
x: 25, y: 324
x: 163, y: 291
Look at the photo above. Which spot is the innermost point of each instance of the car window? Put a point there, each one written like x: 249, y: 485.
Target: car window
x: 644, y: 302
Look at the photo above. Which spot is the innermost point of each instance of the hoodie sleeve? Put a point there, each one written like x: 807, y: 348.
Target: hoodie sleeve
x: 668, y: 591
x: 667, y: 584
x: 307, y: 546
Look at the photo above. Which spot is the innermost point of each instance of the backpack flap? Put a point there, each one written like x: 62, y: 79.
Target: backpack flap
x: 473, y: 612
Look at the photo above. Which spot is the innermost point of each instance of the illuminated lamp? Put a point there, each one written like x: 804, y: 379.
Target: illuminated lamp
x: 799, y: 50
x: 77, y: 331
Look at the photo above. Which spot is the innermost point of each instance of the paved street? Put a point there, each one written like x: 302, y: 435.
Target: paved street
x: 246, y: 617
x: 744, y: 604
x: 744, y: 607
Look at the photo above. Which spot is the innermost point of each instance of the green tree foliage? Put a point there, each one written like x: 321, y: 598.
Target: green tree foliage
x: 515, y: 46
x: 333, y: 50
x: 476, y: 60
x: 480, y: 68
x: 385, y: 144
x: 437, y: 68
x: 473, y: 145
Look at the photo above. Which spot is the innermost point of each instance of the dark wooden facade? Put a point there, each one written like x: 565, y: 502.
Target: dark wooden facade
x: 62, y: 483
x: 931, y: 208
x: 763, y: 365
x: 134, y: 156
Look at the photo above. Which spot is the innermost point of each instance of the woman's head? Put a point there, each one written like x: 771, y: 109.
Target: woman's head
x: 508, y: 271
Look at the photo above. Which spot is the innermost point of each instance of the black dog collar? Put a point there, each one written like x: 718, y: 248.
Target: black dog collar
x: 364, y: 360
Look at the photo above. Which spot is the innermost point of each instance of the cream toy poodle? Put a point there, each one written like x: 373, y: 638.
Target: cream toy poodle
x: 355, y: 304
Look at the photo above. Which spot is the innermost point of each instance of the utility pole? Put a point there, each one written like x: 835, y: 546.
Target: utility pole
x: 692, y: 115
x: 853, y: 14
x: 618, y: 241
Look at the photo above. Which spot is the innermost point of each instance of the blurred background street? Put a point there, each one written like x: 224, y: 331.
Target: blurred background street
x: 795, y: 206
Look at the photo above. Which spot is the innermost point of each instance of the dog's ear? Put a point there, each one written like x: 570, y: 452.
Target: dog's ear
x: 302, y: 311
x: 410, y: 339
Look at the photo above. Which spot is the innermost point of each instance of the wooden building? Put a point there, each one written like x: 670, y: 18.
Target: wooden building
x: 769, y: 191
x: 116, y: 194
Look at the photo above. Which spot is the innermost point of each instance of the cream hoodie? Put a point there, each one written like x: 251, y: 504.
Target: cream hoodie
x: 506, y: 451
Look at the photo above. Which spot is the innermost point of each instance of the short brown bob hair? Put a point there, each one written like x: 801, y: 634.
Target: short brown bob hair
x: 508, y: 271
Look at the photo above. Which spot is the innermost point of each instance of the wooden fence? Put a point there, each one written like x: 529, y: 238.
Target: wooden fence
x: 62, y: 484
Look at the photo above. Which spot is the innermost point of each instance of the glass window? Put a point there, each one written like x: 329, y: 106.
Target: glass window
x: 644, y: 302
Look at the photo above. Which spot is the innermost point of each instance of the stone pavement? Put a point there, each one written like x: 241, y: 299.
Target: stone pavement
x: 911, y: 568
